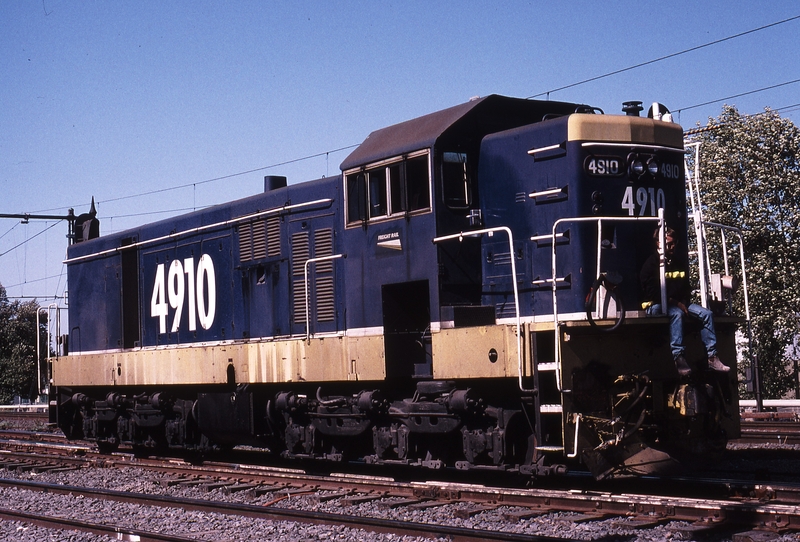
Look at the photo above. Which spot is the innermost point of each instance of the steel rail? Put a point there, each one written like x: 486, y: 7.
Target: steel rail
x: 763, y: 505
x: 282, y: 514
x: 770, y: 432
x: 57, y: 522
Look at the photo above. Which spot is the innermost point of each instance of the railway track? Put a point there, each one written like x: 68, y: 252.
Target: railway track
x: 747, y: 505
x: 770, y: 430
x: 273, y: 513
x: 66, y: 524
x: 710, y: 513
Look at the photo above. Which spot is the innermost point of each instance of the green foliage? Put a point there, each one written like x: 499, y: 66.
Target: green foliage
x: 18, y: 348
x: 750, y: 178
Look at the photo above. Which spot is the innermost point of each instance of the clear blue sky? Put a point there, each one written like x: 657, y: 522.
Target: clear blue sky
x: 117, y: 98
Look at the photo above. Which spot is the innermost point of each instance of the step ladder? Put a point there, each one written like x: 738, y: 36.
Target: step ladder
x: 548, y: 403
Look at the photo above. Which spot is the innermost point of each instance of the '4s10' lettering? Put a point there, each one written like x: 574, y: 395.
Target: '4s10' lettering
x: 183, y: 285
x: 603, y: 166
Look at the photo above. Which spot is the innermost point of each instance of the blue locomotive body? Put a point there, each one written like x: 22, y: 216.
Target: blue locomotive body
x: 197, y: 278
x: 428, y: 306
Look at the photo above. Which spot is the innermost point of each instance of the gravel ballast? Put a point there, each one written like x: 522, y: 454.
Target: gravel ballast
x: 214, y: 527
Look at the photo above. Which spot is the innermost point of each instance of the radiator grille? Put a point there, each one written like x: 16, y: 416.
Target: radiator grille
x: 326, y: 309
x: 300, y: 254
x: 260, y: 239
x: 273, y: 236
x: 245, y: 242
x: 321, y: 279
x: 323, y: 246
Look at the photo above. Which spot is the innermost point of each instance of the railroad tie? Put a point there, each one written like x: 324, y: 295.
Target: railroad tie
x: 468, y: 512
x: 261, y: 490
x: 391, y: 505
x: 424, y: 504
x: 321, y: 498
x: 171, y: 481
x: 519, y: 515
x: 236, y: 488
x: 211, y: 486
x: 640, y: 522
x: 360, y: 499
x: 583, y: 518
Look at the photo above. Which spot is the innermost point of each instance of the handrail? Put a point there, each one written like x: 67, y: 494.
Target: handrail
x: 693, y: 181
x: 599, y: 220
x: 491, y: 232
x: 738, y: 232
x: 237, y: 220
x: 704, y: 260
x: 49, y: 309
x: 574, y: 453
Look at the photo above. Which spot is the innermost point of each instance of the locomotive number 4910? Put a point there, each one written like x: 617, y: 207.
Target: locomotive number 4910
x: 648, y: 200
x: 171, y: 286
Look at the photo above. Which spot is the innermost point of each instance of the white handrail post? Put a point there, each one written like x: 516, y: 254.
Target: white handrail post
x: 490, y: 232
x: 662, y: 230
x: 38, y: 350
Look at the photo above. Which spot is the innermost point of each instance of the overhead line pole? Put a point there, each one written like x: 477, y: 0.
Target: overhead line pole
x: 27, y: 217
x: 83, y: 220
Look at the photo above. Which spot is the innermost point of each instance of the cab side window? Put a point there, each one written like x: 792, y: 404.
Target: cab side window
x: 417, y: 183
x: 456, y: 180
x: 356, y: 197
x: 387, y: 190
x: 377, y: 192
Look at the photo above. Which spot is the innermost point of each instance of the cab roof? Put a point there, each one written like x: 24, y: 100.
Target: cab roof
x: 463, y: 125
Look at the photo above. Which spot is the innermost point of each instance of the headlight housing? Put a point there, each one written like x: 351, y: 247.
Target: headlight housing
x: 653, y: 166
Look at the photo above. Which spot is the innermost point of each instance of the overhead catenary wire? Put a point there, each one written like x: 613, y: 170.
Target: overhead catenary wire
x: 665, y: 57
x: 32, y: 281
x: 164, y: 211
x: 609, y: 74
x: 548, y: 92
x: 214, y: 179
x: 681, y: 109
x: 168, y: 211
x: 36, y: 297
x: 327, y: 153
x: 29, y: 239
x: 707, y: 128
x: 10, y: 230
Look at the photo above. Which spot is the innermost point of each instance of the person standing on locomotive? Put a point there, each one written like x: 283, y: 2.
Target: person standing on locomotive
x: 679, y: 307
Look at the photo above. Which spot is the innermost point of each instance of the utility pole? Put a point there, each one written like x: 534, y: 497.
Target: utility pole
x: 80, y: 228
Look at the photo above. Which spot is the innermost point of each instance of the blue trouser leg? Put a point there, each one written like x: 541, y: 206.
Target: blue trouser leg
x: 675, y: 327
x: 676, y: 331
x: 707, y: 333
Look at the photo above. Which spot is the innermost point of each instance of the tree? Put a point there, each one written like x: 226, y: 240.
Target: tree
x: 750, y: 178
x: 18, y: 348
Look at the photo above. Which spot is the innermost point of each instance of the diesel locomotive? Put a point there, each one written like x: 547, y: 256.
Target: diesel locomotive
x: 465, y: 294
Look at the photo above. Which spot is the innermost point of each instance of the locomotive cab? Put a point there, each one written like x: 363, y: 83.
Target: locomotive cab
x: 591, y: 190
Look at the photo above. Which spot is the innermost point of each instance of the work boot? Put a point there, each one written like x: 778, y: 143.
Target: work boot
x: 716, y: 365
x: 682, y: 365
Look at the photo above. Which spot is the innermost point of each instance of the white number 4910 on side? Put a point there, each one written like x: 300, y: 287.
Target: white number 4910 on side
x: 170, y: 291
